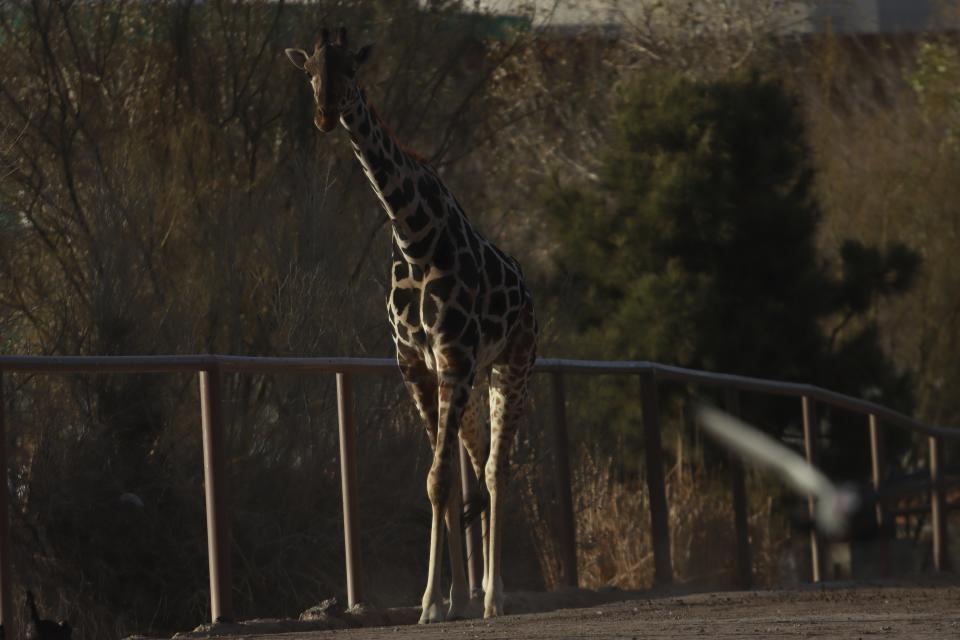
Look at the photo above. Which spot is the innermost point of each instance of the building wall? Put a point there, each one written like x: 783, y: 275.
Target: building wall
x: 882, y: 16
x: 810, y: 16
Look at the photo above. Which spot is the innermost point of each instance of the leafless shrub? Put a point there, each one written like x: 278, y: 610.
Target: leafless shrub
x: 883, y: 118
x: 168, y: 194
x: 704, y: 38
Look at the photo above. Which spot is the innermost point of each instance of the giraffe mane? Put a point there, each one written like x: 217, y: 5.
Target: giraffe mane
x: 386, y: 127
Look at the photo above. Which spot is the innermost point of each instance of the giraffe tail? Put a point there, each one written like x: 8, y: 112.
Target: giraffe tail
x: 473, y: 508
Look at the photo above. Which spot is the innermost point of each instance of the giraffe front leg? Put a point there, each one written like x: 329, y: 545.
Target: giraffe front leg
x: 476, y: 440
x: 495, y: 472
x: 423, y: 388
x: 459, y: 591
x: 485, y: 531
x: 453, y: 395
x: 431, y: 606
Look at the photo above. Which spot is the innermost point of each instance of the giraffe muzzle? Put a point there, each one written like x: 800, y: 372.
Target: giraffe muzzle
x: 326, y: 120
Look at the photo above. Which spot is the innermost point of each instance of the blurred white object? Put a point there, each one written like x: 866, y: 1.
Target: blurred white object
x: 834, y: 505
x: 131, y: 499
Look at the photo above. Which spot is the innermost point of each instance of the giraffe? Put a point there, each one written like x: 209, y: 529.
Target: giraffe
x: 462, y: 321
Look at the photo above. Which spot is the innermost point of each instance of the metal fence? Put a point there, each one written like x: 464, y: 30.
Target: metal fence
x: 211, y: 368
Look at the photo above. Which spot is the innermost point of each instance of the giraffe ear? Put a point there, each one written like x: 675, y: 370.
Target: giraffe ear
x: 363, y: 54
x: 298, y: 57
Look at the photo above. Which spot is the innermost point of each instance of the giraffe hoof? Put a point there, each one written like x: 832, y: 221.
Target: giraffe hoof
x: 472, y: 609
x: 476, y: 604
x: 492, y: 611
x: 432, y: 613
x: 457, y: 612
x: 493, y: 606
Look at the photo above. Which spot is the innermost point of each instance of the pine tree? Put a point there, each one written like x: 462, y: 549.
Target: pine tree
x: 697, y: 247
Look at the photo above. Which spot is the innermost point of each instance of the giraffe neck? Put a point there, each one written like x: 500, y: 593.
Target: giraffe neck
x: 408, y: 189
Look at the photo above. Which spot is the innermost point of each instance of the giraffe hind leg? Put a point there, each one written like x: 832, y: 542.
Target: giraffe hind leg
x: 475, y: 508
x: 473, y: 434
x: 508, y: 397
x: 502, y: 427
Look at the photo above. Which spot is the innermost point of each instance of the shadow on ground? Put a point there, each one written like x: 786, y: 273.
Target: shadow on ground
x: 328, y: 615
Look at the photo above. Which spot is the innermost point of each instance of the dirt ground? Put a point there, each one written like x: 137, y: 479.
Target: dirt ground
x: 837, y: 611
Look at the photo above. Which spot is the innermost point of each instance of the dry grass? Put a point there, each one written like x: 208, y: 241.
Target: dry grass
x: 613, y: 526
x: 614, y: 544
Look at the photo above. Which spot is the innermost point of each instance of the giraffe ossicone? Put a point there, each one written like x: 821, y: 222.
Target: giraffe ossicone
x: 462, y: 319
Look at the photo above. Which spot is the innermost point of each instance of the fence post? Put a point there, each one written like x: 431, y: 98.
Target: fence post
x: 348, y: 484
x: 744, y: 573
x: 214, y: 476
x: 876, y: 463
x: 659, y: 522
x: 876, y: 480
x: 938, y: 514
x: 561, y: 458
x: 472, y: 534
x: 6, y: 562
x: 810, y: 432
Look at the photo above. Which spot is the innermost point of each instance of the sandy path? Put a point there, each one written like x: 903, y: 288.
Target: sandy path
x: 845, y: 612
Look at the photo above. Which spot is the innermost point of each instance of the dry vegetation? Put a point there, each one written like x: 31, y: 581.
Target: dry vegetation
x: 883, y: 118
x: 163, y: 192
x: 615, y: 546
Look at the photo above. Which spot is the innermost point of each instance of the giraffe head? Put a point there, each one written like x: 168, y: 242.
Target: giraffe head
x: 332, y: 69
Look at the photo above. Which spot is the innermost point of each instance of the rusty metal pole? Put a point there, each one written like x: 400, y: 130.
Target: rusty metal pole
x: 744, y: 573
x: 876, y: 462
x: 810, y: 431
x: 876, y: 480
x: 472, y: 534
x: 7, y: 619
x: 348, y: 484
x: 214, y: 476
x: 938, y: 513
x: 659, y: 522
x: 561, y: 459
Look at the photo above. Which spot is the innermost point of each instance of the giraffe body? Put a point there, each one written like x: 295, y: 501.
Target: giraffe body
x: 462, y: 320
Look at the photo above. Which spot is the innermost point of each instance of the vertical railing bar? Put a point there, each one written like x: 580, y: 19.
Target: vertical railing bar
x: 472, y: 534
x: 561, y: 457
x: 7, y: 619
x: 810, y: 431
x: 876, y: 463
x: 938, y: 514
x: 214, y: 474
x: 659, y: 521
x: 744, y: 567
x: 348, y: 483
x: 877, y: 473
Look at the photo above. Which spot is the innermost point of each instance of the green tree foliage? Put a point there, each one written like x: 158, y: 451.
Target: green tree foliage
x: 696, y: 246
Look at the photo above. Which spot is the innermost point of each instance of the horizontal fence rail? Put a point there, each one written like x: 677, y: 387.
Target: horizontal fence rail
x: 210, y: 369
x: 258, y: 364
